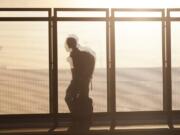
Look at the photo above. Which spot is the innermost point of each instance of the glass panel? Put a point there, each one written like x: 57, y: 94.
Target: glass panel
x: 138, y: 66
x: 24, y: 68
x: 81, y: 14
x: 93, y: 36
x: 175, y: 13
x: 24, y: 14
x: 137, y: 14
x: 175, y: 29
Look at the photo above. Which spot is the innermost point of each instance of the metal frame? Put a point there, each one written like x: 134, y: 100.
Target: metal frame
x: 168, y: 83
x: 25, y: 18
x: 105, y: 19
x: 48, y: 19
x: 112, y: 92
x: 167, y: 116
x: 113, y: 10
x: 171, y: 113
x: 167, y: 103
x: 55, y: 69
x: 139, y: 19
x: 171, y: 116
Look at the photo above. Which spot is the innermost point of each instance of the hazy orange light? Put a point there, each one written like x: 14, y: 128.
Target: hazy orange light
x: 133, y: 3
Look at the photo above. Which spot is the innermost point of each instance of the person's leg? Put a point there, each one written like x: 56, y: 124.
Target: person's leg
x: 70, y: 96
x: 84, y: 101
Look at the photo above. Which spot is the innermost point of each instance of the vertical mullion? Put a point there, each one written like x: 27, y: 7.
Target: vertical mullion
x: 50, y: 61
x: 112, y: 77
x: 52, y: 68
x: 112, y: 93
x: 108, y: 58
x: 54, y: 100
x: 164, y: 59
x: 169, y: 81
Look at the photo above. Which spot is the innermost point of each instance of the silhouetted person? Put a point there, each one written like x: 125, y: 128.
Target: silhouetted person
x: 77, y: 94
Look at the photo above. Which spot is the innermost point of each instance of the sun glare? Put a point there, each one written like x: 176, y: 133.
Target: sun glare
x: 137, y: 3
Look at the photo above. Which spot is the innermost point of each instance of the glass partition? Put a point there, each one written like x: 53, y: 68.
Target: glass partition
x: 175, y: 14
x: 23, y: 14
x: 81, y: 14
x: 91, y: 35
x: 175, y: 70
x: 137, y: 14
x: 24, y: 67
x: 138, y: 54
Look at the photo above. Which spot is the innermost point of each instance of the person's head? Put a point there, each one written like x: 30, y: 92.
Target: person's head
x: 71, y: 42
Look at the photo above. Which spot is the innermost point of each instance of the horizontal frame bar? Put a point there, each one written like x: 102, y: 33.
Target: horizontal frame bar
x: 137, y: 9
x: 121, y: 117
x: 81, y: 19
x: 81, y: 9
x: 137, y: 18
x: 174, y: 18
x: 96, y: 114
x: 173, y: 9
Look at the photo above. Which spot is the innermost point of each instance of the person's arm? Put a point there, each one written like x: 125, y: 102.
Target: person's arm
x: 76, y: 66
x: 75, y: 73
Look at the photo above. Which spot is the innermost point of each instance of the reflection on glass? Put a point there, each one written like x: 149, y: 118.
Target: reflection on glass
x: 138, y: 66
x: 175, y: 54
x: 24, y: 73
x: 91, y: 35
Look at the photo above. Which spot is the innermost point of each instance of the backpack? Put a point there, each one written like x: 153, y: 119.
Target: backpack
x: 87, y: 64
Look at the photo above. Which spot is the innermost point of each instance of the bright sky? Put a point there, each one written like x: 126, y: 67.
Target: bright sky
x: 34, y: 37
x: 91, y: 3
